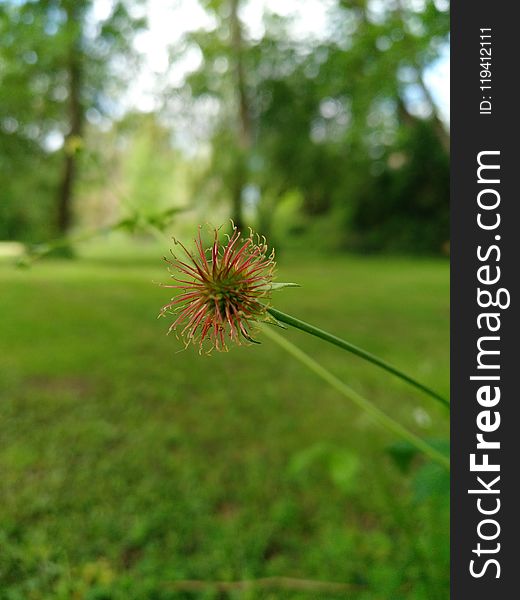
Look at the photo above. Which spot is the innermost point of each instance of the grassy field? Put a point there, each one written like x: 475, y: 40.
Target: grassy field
x: 127, y: 466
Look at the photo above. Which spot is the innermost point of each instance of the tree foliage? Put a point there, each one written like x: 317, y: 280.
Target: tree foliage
x: 59, y: 67
x: 340, y: 120
x: 333, y: 136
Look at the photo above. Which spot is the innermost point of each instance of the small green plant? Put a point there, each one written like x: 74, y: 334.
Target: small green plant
x: 225, y: 296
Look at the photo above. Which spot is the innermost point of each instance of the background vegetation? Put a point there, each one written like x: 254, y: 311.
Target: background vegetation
x: 333, y: 134
x: 128, y: 467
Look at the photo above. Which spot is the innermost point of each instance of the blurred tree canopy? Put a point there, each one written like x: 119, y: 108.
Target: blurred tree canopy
x: 329, y: 120
x: 58, y: 66
x: 333, y: 138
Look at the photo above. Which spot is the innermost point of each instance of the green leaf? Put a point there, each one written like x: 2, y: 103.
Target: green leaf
x: 279, y: 286
x: 303, y: 460
x: 403, y: 453
x: 343, y: 470
x: 431, y: 480
x: 340, y: 465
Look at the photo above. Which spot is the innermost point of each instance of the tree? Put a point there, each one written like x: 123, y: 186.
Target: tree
x: 60, y: 66
x: 223, y: 76
x: 325, y: 117
x: 352, y: 107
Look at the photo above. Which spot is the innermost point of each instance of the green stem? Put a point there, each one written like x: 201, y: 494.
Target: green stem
x: 384, y: 420
x: 45, y: 248
x: 328, y: 337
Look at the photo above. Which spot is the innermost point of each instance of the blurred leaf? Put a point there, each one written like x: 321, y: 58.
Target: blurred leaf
x: 339, y: 464
x: 301, y: 462
x: 403, y: 453
x: 129, y: 224
x: 431, y: 480
x: 343, y: 469
x: 281, y: 286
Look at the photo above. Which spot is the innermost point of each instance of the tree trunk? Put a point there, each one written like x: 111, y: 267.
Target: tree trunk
x: 440, y: 130
x: 244, y: 140
x: 438, y: 127
x: 236, y: 204
x: 73, y: 138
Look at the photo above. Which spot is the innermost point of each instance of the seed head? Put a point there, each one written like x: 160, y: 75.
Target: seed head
x: 224, y: 290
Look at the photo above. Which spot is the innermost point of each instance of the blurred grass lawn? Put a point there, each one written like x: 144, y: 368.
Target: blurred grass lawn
x: 126, y: 465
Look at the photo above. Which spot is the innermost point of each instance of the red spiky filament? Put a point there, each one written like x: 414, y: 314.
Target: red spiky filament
x: 223, y: 290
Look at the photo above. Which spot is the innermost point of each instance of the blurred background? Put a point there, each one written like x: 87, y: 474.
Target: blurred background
x: 128, y: 467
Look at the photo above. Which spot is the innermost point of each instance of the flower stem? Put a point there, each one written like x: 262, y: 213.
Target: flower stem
x: 328, y: 337
x: 384, y: 420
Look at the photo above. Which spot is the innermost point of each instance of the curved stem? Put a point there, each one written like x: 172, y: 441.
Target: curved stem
x: 384, y: 420
x: 328, y: 337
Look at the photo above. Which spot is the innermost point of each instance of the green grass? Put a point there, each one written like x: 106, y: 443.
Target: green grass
x: 126, y: 465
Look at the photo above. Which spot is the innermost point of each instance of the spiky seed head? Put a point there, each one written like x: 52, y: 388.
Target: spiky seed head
x: 224, y: 289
